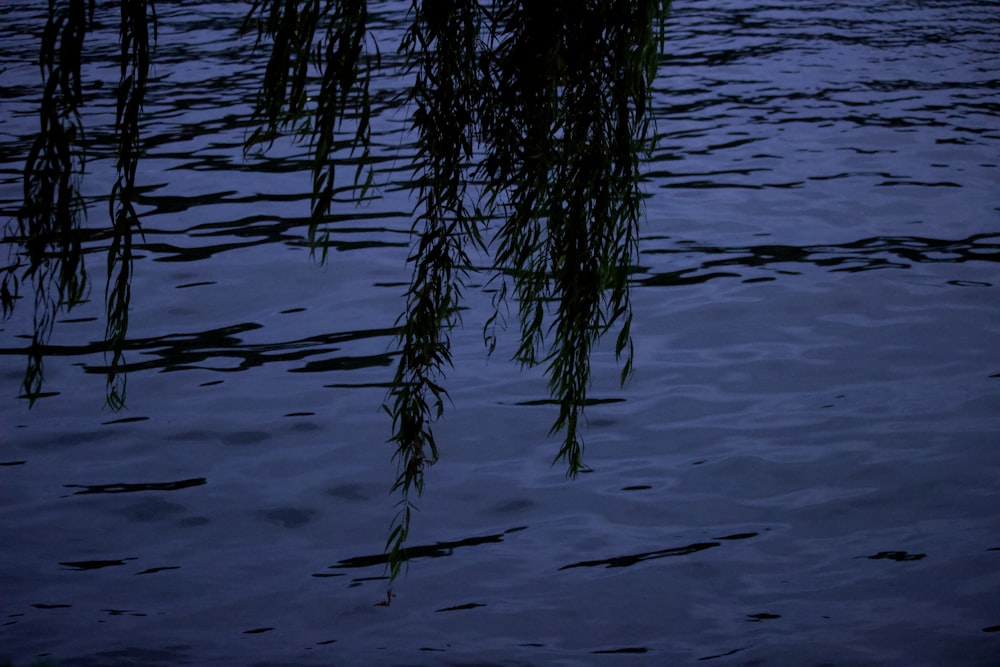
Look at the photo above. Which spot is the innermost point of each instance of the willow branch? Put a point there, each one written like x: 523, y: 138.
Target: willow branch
x: 47, y: 229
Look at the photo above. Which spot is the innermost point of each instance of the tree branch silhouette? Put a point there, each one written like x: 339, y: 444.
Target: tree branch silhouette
x: 530, y: 122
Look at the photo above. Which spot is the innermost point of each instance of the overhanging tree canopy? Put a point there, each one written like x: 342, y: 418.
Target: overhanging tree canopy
x: 530, y: 120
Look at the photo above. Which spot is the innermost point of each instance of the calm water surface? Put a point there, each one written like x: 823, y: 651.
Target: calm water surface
x: 804, y: 470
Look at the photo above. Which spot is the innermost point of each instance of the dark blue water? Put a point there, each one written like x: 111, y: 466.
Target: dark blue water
x: 805, y: 469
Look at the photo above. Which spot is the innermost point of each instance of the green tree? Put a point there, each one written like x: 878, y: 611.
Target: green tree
x: 530, y: 119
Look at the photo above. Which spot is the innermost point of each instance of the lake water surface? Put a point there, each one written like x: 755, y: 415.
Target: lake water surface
x: 804, y: 470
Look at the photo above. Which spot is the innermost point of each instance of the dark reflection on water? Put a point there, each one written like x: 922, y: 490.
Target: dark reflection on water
x: 436, y: 550
x: 632, y: 559
x: 632, y: 649
x: 763, y: 262
x: 177, y: 352
x: 133, y: 487
x: 813, y: 424
x: 94, y: 564
x: 262, y: 231
x: 461, y: 607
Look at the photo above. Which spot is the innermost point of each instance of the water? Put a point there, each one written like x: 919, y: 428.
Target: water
x: 804, y: 469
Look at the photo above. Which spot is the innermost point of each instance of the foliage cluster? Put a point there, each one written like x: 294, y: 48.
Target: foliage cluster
x: 530, y: 114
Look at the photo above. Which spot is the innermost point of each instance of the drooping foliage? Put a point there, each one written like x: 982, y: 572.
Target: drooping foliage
x: 530, y: 122
x: 564, y: 134
x: 47, y: 235
x: 46, y: 231
x: 330, y: 36
x: 134, y: 38
x: 443, y: 39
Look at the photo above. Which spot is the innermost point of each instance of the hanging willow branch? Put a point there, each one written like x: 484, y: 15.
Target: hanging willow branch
x: 542, y: 106
x: 442, y: 39
x: 47, y: 227
x: 341, y: 56
x: 136, y: 18
x: 556, y: 101
x: 564, y: 139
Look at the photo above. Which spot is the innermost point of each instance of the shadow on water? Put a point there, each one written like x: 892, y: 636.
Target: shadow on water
x: 188, y: 351
x: 436, y: 550
x: 136, y: 487
x: 633, y: 559
x: 760, y: 263
x: 755, y: 263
